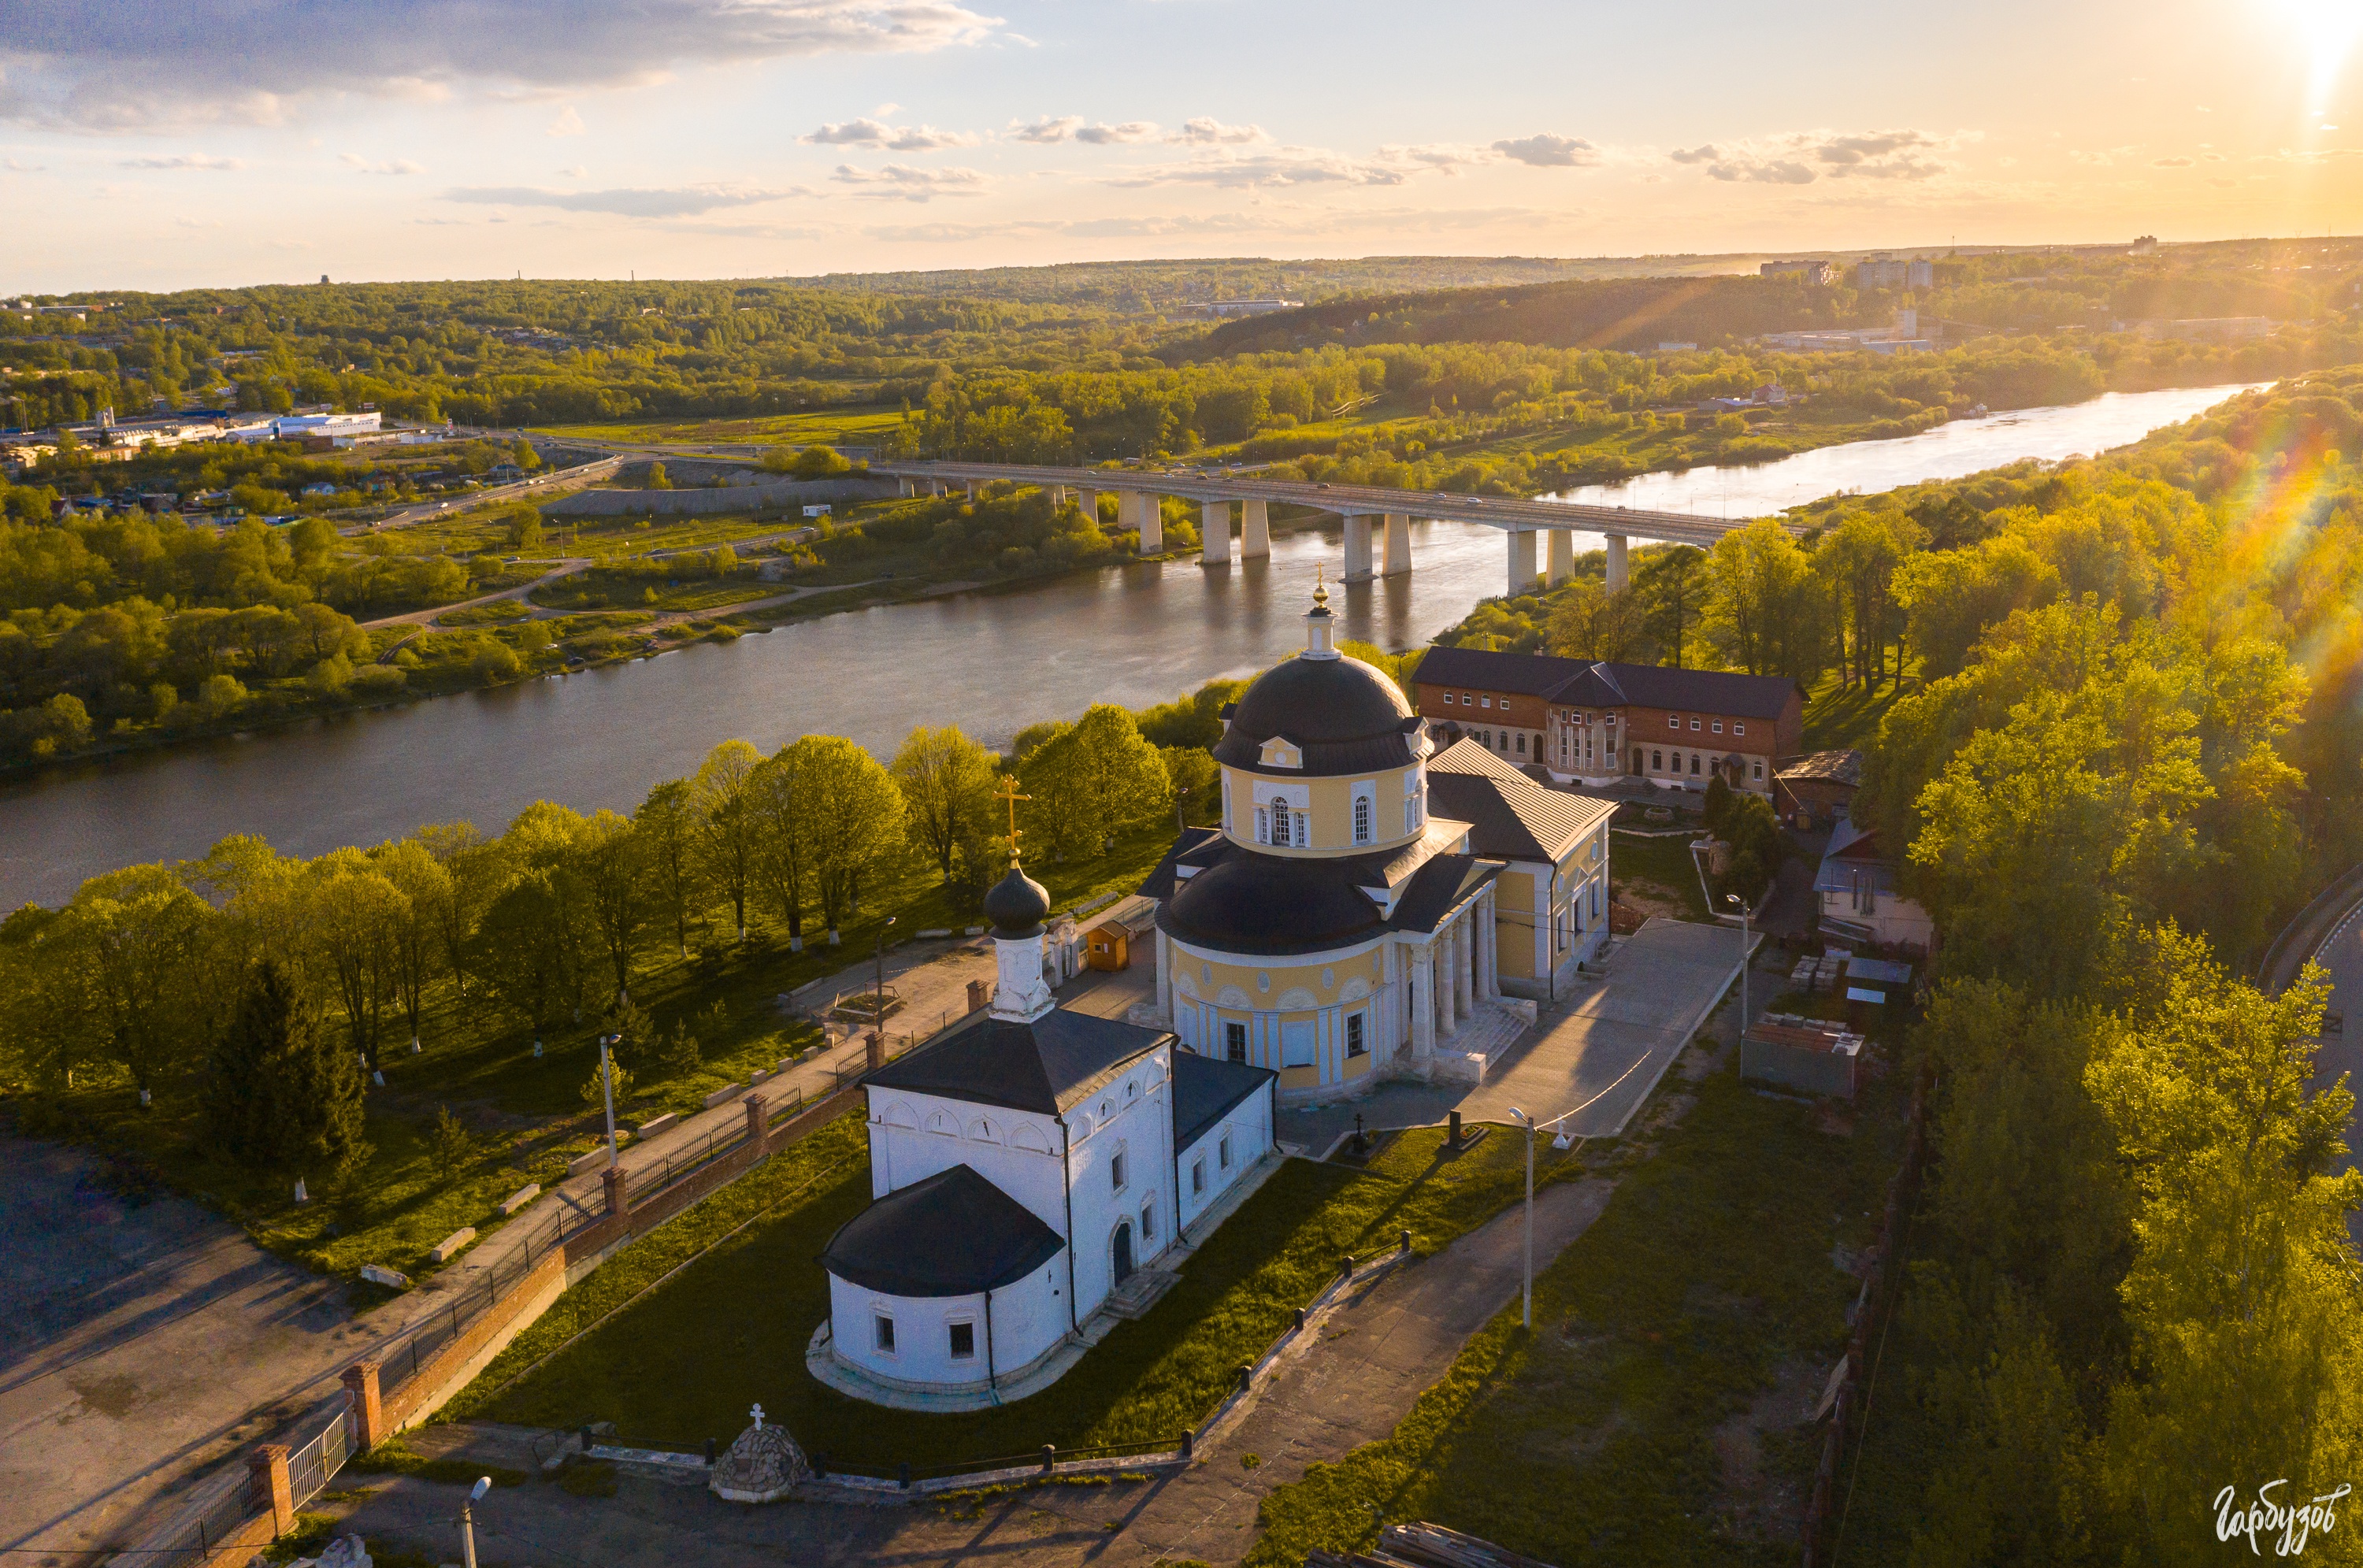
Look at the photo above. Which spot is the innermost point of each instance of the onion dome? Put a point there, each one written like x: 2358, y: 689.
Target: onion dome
x: 1017, y: 905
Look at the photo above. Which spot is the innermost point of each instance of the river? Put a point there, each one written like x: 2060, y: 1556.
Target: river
x: 989, y: 662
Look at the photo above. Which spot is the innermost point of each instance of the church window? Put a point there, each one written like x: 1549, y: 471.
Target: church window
x: 882, y: 1330
x: 1361, y: 818
x: 1198, y: 1176
x: 963, y: 1342
x: 1354, y: 1044
x: 1116, y: 1171
x: 1131, y: 1090
x: 1223, y: 1152
x: 1148, y: 1219
x: 1234, y: 1042
x: 1280, y: 830
x: 1263, y: 825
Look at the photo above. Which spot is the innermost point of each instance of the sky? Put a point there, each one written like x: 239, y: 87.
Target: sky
x: 155, y: 145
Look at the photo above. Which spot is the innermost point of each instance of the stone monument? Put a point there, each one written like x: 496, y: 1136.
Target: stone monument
x: 763, y: 1466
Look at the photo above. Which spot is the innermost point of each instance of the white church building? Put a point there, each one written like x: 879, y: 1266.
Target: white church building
x: 1026, y: 1169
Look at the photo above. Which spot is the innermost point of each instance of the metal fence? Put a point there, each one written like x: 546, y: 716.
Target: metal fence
x: 311, y: 1467
x: 200, y: 1537
x: 401, y: 1358
x: 649, y: 1180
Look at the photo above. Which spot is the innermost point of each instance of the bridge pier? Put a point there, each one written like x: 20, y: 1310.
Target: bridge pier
x: 1521, y: 561
x: 1255, y: 530
x: 1397, y: 561
x: 907, y: 488
x: 1214, y: 534
x: 1562, y: 554
x: 1058, y: 496
x: 1087, y: 501
x: 1357, y: 547
x: 1145, y: 517
x: 1619, y: 577
x: 971, y: 490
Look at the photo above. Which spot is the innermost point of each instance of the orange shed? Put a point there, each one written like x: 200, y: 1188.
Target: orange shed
x: 1109, y: 946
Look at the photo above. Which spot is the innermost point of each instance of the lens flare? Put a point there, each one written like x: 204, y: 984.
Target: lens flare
x: 2327, y: 30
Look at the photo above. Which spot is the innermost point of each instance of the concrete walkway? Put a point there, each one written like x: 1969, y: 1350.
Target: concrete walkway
x: 1351, y: 1382
x: 1606, y: 1042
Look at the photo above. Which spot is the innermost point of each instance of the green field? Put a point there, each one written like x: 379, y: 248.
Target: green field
x: 828, y: 426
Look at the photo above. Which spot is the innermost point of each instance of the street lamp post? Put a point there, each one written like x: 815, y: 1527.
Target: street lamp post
x: 878, y: 998
x: 468, y: 1520
x: 1181, y: 810
x: 607, y: 1092
x: 1744, y: 942
x: 1526, y: 1313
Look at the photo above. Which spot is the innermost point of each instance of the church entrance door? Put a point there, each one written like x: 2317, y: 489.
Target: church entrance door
x: 1123, y: 1251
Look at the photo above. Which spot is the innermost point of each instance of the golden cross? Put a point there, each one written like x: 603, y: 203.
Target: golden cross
x: 1009, y: 794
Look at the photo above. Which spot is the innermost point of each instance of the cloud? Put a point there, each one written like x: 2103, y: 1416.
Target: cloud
x: 1280, y: 218
x: 2103, y: 158
x: 1444, y: 156
x: 390, y: 166
x: 902, y: 182
x: 683, y: 201
x: 17, y: 166
x: 1550, y: 151
x: 1204, y: 130
x: 1102, y: 134
x: 1800, y: 158
x: 1281, y: 167
x: 568, y: 123
x: 575, y: 172
x: 185, y: 160
x: 2173, y: 162
x: 1047, y: 130
x: 114, y: 65
x: 886, y: 137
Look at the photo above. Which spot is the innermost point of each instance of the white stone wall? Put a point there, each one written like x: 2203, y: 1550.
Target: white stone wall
x: 914, y: 1136
x: 1248, y: 1126
x: 1132, y: 1114
x: 1028, y: 1318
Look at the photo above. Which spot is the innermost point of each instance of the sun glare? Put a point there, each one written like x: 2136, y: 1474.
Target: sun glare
x: 2327, y: 30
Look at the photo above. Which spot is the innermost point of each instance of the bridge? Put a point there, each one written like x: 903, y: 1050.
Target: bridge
x: 1363, y: 507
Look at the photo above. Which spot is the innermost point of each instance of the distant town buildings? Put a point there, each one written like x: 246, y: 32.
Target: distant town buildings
x: 1903, y: 337
x: 1244, y: 307
x: 1883, y: 272
x: 1823, y: 273
x: 2206, y: 328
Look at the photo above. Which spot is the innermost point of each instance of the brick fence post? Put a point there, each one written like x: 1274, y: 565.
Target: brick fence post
x: 877, y: 1050
x: 368, y: 1410
x: 269, y: 1466
x: 759, y: 1111
x: 618, y: 1202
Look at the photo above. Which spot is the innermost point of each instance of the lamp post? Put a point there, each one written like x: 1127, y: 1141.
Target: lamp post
x: 878, y: 998
x: 1526, y: 1313
x: 1733, y: 898
x: 1182, y: 809
x: 468, y: 1520
x: 607, y: 1092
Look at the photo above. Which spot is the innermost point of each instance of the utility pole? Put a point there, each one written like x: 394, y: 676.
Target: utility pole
x: 608, y: 1091
x: 1526, y: 1311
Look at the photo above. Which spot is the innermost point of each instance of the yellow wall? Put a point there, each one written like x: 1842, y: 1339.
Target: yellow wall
x: 1332, y: 805
x: 1514, y: 907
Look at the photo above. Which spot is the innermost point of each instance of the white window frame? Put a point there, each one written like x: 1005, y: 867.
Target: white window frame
x: 1358, y: 1035
x: 1737, y: 728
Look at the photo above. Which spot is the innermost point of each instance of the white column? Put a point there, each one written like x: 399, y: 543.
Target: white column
x: 935, y: 487
x: 1464, y: 965
x: 904, y: 487
x: 1521, y: 561
x: 1215, y: 533
x: 1493, y: 932
x: 1145, y: 516
x: 1420, y: 974
x: 1617, y: 576
x: 1398, y: 554
x: 1440, y: 956
x: 1357, y: 548
x: 1562, y: 554
x: 1255, y: 529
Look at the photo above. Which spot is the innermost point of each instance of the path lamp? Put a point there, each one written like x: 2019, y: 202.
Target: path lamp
x: 1734, y: 899
x: 1526, y: 1313
x: 878, y: 998
x: 468, y: 1519
x: 608, y: 1091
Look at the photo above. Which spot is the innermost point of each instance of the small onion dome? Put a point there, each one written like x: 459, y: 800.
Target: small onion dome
x: 1017, y: 905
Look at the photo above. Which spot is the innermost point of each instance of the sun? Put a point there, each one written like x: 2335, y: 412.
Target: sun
x: 2327, y: 32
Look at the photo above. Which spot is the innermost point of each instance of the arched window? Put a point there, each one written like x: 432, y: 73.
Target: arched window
x: 1279, y: 829
x: 1361, y: 818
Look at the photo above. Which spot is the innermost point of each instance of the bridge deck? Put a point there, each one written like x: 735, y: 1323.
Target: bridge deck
x: 1508, y: 513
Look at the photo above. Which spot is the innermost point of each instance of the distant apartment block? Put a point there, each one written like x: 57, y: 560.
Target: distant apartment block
x: 1883, y: 273
x: 1808, y: 271
x: 1244, y: 307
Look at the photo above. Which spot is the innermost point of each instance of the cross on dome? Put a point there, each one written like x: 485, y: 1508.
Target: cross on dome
x: 759, y: 1418
x: 1320, y: 629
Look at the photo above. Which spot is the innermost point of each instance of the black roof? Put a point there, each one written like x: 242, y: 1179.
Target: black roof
x: 1205, y: 1090
x: 1272, y: 905
x: 1347, y: 716
x: 1508, y: 813
x: 1604, y: 685
x: 1188, y: 850
x: 953, y: 1235
x: 1044, y: 1065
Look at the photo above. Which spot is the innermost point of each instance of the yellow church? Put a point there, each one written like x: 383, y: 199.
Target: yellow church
x: 1368, y: 907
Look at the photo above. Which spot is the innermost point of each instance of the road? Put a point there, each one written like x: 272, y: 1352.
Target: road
x: 567, y: 566
x: 540, y: 484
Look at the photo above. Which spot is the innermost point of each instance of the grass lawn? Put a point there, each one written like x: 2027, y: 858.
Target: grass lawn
x: 830, y: 426
x: 683, y: 1363
x: 1838, y: 717
x: 1651, y: 1418
x: 525, y: 1114
x: 1660, y: 869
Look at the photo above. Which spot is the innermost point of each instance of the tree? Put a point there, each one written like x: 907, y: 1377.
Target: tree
x: 819, y: 462
x: 726, y: 831
x: 358, y: 919
x: 1672, y: 583
x: 1589, y: 622
x: 1763, y: 606
x: 478, y: 869
x: 138, y: 935
x: 946, y: 781
x: 528, y: 952
x: 279, y: 1097
x: 525, y: 528
x: 418, y: 947
x: 667, y: 825
x: 524, y: 455
x: 658, y: 477
x: 610, y: 866
x: 1192, y: 774
x: 1118, y: 781
x: 841, y: 815
x: 1858, y: 559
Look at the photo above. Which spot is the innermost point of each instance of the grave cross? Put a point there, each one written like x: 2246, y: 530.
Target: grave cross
x: 758, y: 1413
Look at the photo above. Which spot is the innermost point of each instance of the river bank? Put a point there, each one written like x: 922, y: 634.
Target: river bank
x: 993, y: 661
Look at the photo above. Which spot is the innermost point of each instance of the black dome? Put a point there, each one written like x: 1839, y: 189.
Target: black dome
x: 1317, y: 701
x: 1017, y: 904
